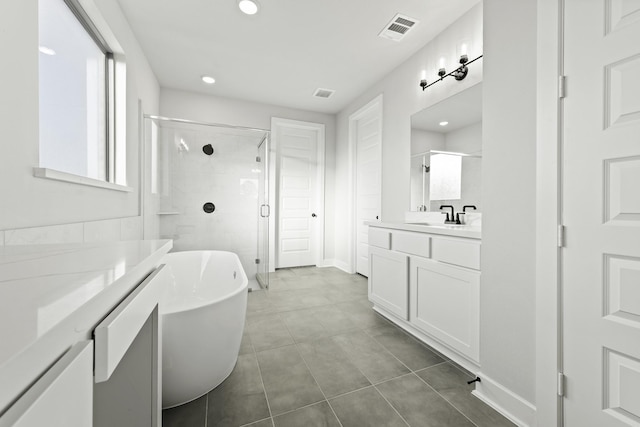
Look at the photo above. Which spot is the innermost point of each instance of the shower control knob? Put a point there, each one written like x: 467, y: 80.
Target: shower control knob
x: 313, y: 215
x: 207, y: 149
x: 208, y: 207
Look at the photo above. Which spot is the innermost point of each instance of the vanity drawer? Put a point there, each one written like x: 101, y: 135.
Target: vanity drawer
x: 115, y: 334
x: 380, y: 237
x: 462, y: 252
x: 412, y: 243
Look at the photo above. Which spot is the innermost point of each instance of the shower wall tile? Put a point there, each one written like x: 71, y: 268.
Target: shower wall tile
x: 131, y: 228
x: 68, y: 233
x: 102, y: 231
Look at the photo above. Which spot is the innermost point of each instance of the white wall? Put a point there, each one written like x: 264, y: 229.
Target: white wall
x: 423, y: 141
x: 213, y: 109
x: 465, y: 140
x: 507, y: 353
x: 402, y: 98
x: 33, y: 202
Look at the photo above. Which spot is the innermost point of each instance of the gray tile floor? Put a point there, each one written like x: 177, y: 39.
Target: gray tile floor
x: 314, y: 353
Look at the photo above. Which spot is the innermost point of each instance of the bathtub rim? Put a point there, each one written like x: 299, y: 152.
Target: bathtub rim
x: 243, y: 288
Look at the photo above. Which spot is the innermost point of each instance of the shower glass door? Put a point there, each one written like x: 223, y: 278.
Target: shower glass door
x: 206, y: 188
x: 262, y: 159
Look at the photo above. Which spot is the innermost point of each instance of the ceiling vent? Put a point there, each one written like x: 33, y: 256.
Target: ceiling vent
x: 398, y: 27
x: 323, y: 93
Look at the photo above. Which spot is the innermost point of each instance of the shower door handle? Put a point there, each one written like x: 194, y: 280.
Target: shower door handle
x: 263, y: 209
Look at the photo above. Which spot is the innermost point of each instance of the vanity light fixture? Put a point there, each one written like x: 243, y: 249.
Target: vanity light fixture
x: 459, y: 73
x: 249, y: 7
x: 208, y: 80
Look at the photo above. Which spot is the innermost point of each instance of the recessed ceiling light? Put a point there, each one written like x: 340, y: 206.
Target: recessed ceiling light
x: 443, y: 123
x: 46, y: 50
x: 208, y: 79
x: 250, y: 7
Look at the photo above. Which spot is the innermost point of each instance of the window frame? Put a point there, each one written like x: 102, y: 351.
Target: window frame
x: 112, y: 95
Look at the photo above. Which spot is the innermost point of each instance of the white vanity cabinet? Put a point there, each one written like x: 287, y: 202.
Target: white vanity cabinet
x: 62, y: 397
x: 389, y: 280
x: 128, y: 387
x: 428, y: 282
x: 445, y: 303
x: 86, y: 343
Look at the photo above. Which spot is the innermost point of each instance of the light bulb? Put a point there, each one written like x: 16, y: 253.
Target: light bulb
x: 463, y: 49
x: 250, y: 7
x: 208, y: 80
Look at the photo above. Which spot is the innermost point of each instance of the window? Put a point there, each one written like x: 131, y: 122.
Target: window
x: 77, y: 94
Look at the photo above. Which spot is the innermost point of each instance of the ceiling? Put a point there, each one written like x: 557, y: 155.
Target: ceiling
x: 289, y: 49
x: 460, y: 110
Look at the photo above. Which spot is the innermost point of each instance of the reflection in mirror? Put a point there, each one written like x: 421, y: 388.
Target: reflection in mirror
x: 446, y: 149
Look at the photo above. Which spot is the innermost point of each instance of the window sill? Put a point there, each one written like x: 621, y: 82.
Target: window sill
x: 77, y: 179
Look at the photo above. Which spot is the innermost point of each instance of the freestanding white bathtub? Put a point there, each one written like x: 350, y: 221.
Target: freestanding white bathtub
x: 202, y: 314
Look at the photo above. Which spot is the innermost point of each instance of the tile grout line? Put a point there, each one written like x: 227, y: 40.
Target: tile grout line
x: 206, y: 410
x: 390, y: 404
x: 314, y: 378
x: 266, y: 396
x: 439, y: 394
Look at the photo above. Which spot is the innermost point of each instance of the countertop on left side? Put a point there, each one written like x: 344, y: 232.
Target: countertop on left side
x: 52, y: 296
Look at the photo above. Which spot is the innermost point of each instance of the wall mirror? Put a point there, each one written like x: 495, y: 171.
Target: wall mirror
x: 446, y: 153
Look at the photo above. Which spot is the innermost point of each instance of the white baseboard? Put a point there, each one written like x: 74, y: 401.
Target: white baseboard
x: 518, y: 410
x: 331, y: 262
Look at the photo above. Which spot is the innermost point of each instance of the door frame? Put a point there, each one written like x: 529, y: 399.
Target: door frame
x: 375, y: 105
x: 275, y: 187
x: 550, y: 126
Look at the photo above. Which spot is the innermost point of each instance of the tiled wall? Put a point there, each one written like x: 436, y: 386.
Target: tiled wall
x: 231, y: 179
x: 129, y: 228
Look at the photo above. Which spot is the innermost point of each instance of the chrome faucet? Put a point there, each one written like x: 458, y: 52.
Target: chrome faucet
x: 449, y: 219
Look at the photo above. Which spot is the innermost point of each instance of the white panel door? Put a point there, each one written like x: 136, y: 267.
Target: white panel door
x: 601, y: 212
x: 297, y: 208
x: 368, y: 137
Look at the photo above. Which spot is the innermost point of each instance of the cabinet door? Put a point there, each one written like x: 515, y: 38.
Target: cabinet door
x: 62, y: 397
x: 389, y: 281
x: 445, y: 303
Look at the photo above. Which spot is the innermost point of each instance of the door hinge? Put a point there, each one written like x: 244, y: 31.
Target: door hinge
x: 257, y: 260
x: 562, y: 86
x: 561, y: 236
x: 561, y: 380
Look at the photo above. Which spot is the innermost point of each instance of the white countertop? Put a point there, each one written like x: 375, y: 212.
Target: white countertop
x: 52, y: 296
x: 468, y: 231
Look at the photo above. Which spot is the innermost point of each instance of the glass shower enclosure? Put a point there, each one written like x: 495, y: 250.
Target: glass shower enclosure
x: 206, y: 187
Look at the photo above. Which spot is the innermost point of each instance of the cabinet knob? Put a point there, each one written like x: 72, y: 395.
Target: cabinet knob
x: 313, y: 215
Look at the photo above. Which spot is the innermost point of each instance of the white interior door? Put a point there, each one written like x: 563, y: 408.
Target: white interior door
x: 367, y: 127
x: 601, y: 212
x: 299, y: 148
